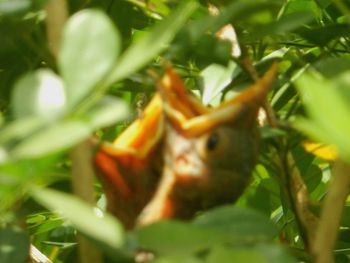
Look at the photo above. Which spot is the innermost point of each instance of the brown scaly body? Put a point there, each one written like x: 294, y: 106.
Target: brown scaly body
x: 181, y: 157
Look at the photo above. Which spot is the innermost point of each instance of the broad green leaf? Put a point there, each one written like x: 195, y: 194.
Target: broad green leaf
x: 175, y: 238
x: 90, y: 47
x: 40, y: 93
x: 226, y: 255
x: 333, y: 66
x: 52, y: 139
x: 14, y: 245
x: 20, y: 128
x: 296, y: 6
x: 107, y: 111
x: 216, y: 78
x: 274, y: 253
x: 13, y: 6
x: 100, y: 227
x: 328, y: 111
x: 238, y: 224
x: 144, y: 50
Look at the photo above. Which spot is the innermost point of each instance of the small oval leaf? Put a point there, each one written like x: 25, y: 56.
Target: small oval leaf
x: 90, y: 47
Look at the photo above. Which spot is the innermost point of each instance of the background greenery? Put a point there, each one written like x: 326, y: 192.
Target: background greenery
x: 99, y: 78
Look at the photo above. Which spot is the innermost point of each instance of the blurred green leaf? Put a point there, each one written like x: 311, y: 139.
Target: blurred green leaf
x: 92, y: 223
x: 333, y: 66
x: 175, y: 238
x: 107, y: 111
x: 144, y: 50
x: 323, y: 35
x: 52, y: 139
x: 90, y: 47
x: 227, y: 255
x: 14, y: 245
x: 13, y: 6
x: 327, y: 110
x: 20, y: 128
x: 238, y: 224
x: 285, y: 24
x: 40, y: 93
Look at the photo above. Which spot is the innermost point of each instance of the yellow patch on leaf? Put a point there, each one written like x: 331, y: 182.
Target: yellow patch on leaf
x: 324, y: 151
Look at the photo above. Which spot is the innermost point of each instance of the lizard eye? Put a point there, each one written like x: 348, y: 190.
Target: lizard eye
x: 213, y: 141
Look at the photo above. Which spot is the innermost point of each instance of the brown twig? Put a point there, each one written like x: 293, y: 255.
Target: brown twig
x: 299, y: 200
x: 327, y: 231
x: 56, y: 17
x: 82, y: 181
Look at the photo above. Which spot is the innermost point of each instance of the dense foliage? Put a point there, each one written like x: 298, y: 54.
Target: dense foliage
x: 53, y: 100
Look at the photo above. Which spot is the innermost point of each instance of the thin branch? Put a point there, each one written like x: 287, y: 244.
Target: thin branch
x: 327, y: 231
x: 82, y: 182
x: 56, y: 17
x: 299, y: 200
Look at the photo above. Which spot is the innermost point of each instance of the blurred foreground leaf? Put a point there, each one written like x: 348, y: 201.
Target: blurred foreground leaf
x: 100, y: 227
x: 90, y: 47
x: 327, y: 108
x: 14, y: 245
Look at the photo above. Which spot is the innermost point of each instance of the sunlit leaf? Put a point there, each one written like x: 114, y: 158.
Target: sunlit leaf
x: 324, y: 151
x: 90, y: 47
x: 216, y: 78
x: 328, y: 111
x: 40, y: 93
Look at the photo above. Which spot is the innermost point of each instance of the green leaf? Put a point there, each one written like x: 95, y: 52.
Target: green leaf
x: 52, y: 139
x: 238, y: 224
x: 90, y: 47
x: 285, y: 24
x: 107, y: 111
x: 328, y: 111
x: 13, y: 6
x: 40, y: 93
x: 20, y: 128
x: 333, y: 66
x: 149, y: 46
x: 175, y: 238
x: 216, y: 78
x: 226, y: 255
x: 14, y: 245
x: 100, y: 227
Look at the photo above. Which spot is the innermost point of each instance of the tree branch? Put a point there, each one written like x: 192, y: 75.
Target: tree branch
x: 327, y: 231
